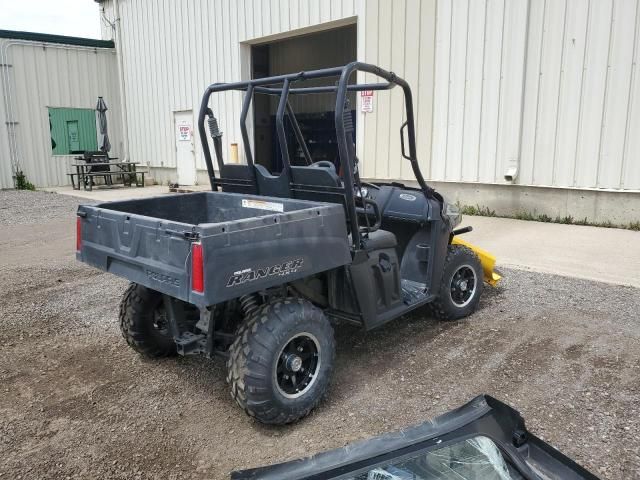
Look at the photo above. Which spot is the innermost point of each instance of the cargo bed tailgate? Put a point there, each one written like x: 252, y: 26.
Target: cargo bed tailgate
x: 245, y: 245
x: 144, y: 250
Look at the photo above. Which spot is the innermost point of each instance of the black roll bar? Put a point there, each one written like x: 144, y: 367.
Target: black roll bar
x: 281, y: 85
x: 282, y: 138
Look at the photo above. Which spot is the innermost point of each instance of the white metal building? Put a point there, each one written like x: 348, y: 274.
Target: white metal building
x: 527, y: 105
x: 50, y: 86
x: 521, y: 104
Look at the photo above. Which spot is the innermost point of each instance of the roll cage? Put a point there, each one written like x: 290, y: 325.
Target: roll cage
x: 282, y: 86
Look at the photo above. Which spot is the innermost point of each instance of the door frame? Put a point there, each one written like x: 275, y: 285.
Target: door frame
x: 175, y: 113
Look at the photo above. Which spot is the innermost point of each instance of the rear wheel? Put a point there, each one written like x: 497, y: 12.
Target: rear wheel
x: 144, y: 323
x: 281, y: 360
x: 461, y: 284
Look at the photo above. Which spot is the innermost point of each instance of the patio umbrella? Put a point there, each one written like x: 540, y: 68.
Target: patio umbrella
x: 101, y: 107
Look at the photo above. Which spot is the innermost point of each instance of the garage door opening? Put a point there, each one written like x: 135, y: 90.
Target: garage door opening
x: 314, y: 113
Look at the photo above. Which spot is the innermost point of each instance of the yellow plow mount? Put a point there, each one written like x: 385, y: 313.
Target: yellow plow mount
x: 487, y: 260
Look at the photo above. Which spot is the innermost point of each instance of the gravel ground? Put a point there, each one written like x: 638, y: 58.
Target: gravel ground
x: 76, y: 402
x: 22, y: 207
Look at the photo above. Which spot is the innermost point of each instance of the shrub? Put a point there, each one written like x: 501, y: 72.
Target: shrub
x: 22, y: 183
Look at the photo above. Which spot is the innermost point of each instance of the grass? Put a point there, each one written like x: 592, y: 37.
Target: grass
x: 543, y: 217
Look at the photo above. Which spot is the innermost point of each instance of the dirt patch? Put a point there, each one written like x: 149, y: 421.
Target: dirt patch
x: 76, y: 402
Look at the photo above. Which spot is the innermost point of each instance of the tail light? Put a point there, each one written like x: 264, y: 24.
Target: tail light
x: 197, y: 268
x: 78, y: 234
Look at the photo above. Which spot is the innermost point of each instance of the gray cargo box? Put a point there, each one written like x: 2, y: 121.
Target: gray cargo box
x: 248, y: 242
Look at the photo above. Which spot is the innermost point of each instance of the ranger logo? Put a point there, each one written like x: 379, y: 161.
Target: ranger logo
x: 251, y: 274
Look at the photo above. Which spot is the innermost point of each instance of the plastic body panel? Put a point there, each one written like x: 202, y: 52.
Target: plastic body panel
x: 245, y: 249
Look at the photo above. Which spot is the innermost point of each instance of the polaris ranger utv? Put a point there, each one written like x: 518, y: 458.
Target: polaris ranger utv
x: 257, y: 269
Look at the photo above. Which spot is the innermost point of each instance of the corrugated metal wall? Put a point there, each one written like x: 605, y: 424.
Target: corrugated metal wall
x: 577, y: 107
x: 546, y: 89
x: 399, y: 36
x: 52, y: 75
x: 172, y: 51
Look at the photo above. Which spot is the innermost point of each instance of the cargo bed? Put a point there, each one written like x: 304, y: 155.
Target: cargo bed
x: 247, y: 243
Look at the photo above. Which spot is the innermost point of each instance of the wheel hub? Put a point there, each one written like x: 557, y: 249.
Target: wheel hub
x: 293, y: 363
x: 297, y: 365
x: 463, y: 285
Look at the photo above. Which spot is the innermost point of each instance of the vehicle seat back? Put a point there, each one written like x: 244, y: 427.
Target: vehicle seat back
x: 237, y: 178
x: 320, y: 184
x: 271, y: 185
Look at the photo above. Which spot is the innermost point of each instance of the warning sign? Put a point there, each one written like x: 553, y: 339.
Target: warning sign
x: 366, y: 101
x: 184, y: 132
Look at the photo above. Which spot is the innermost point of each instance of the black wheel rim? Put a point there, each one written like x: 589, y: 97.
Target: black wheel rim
x: 297, y: 365
x: 463, y: 285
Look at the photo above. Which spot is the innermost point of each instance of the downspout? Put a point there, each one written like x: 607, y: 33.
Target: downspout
x: 8, y: 106
x: 513, y: 167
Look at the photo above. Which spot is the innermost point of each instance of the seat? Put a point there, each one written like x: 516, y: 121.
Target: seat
x: 379, y: 239
x: 316, y: 176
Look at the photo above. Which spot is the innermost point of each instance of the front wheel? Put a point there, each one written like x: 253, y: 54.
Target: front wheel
x: 281, y: 360
x: 461, y: 285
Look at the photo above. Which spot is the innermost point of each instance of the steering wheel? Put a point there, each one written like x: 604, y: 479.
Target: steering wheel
x: 370, y: 185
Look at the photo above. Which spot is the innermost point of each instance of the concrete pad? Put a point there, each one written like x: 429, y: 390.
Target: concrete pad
x: 609, y: 255
x: 110, y: 194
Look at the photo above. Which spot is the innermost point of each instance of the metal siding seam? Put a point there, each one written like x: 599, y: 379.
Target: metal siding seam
x: 500, y: 93
x: 484, y: 61
x: 464, y: 96
x: 377, y: 62
x: 535, y: 134
x: 158, y: 101
x: 373, y: 122
x: 390, y: 102
x: 446, y: 138
x: 404, y: 71
x: 582, y: 81
x: 606, y: 94
x: 433, y: 87
x: 560, y: 78
x: 417, y: 102
x: 623, y: 165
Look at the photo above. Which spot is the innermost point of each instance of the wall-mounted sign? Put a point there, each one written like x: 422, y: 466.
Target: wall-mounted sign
x: 366, y: 101
x: 184, y: 132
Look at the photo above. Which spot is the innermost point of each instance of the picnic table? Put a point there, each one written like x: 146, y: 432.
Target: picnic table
x: 87, y: 171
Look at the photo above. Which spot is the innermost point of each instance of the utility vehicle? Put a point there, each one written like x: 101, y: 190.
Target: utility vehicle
x: 257, y: 269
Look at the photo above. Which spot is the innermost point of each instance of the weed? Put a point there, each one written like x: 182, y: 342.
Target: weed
x: 22, y: 183
x: 525, y: 216
x: 477, y: 210
x: 543, y: 217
